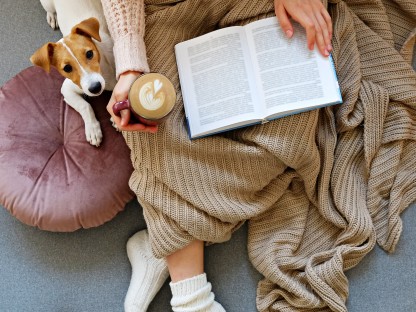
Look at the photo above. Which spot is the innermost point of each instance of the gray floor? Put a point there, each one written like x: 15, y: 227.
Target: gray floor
x: 88, y: 270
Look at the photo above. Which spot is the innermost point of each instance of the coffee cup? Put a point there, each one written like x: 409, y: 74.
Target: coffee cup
x: 151, y: 98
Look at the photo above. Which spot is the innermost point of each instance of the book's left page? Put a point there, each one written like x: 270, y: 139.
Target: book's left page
x: 217, y: 81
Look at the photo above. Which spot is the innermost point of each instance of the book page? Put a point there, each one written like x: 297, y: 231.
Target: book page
x: 290, y: 76
x: 216, y: 79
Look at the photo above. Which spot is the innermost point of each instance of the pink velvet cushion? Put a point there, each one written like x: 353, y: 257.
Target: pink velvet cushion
x: 50, y: 176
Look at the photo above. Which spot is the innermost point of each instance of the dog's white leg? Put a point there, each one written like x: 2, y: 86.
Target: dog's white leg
x: 73, y: 97
x: 51, y: 18
x: 113, y: 123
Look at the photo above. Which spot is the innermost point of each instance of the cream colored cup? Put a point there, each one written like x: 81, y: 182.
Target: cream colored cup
x: 151, y: 99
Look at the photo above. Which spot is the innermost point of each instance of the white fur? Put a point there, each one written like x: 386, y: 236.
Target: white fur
x: 65, y: 14
x: 72, y: 94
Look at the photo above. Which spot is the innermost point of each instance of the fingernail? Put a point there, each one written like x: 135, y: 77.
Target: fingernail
x: 329, y: 47
x: 326, y: 52
x: 289, y: 33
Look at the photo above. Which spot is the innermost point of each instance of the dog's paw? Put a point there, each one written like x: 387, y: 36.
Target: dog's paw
x: 93, y: 133
x: 114, y: 124
x: 52, y: 20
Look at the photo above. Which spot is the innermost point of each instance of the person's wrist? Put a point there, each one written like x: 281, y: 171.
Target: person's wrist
x: 131, y: 73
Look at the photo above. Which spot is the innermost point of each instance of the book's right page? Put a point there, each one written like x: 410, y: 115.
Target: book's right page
x: 290, y: 77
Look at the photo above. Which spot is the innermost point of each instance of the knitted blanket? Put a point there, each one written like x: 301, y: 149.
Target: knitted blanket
x: 318, y: 189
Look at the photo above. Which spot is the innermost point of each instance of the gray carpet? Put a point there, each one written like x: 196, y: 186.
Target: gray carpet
x: 88, y: 270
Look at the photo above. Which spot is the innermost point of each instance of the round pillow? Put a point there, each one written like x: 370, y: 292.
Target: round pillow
x: 50, y: 176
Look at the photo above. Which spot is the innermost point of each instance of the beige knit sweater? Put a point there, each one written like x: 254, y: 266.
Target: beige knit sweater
x: 318, y: 189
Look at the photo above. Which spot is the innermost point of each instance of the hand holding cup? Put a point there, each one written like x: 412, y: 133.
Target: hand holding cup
x: 149, y: 100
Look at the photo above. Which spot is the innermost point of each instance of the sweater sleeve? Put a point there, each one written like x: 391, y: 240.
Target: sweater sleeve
x: 126, y: 23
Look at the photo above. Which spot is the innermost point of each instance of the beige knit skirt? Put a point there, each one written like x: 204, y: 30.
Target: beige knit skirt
x: 318, y: 188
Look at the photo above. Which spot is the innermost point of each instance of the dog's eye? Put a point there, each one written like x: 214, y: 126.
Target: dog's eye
x: 67, y: 68
x: 89, y: 54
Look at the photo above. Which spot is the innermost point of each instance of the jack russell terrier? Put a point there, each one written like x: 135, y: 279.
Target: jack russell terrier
x: 84, y: 56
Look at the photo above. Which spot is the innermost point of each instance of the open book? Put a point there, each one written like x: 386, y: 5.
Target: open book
x: 243, y: 75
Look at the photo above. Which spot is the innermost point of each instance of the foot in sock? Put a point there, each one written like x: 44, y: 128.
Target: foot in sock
x: 194, y: 295
x: 148, y: 273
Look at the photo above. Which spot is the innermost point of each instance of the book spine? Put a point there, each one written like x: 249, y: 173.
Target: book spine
x: 336, y: 76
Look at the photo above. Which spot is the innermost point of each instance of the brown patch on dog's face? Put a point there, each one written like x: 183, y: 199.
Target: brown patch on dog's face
x: 85, y: 57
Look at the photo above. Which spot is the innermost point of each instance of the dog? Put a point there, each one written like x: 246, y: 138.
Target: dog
x: 84, y: 56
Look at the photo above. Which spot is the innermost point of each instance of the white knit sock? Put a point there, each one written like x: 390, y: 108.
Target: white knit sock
x: 148, y: 273
x: 194, y: 295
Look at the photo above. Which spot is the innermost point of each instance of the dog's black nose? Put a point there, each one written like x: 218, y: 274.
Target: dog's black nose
x: 95, y: 88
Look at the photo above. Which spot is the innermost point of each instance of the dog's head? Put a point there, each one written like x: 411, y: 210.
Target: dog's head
x: 75, y: 57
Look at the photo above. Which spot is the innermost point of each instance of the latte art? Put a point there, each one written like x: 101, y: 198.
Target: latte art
x: 157, y: 85
x: 151, y: 98
x: 150, y: 95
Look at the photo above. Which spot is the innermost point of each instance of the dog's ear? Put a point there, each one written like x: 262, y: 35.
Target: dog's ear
x: 43, y: 56
x: 89, y: 27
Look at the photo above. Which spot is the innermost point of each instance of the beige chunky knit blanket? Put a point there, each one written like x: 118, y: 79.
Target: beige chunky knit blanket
x: 318, y: 189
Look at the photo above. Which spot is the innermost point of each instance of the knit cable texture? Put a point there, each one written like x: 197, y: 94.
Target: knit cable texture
x: 125, y: 20
x: 319, y: 189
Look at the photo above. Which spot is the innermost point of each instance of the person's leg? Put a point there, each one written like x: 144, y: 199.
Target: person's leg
x: 190, y: 289
x: 187, y: 262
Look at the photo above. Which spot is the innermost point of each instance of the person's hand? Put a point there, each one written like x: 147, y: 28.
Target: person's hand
x: 120, y: 93
x: 312, y: 15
